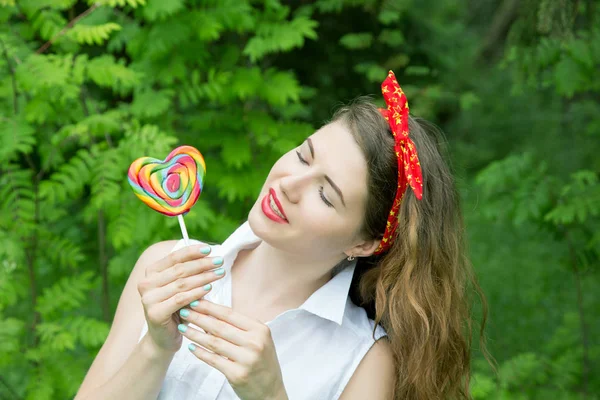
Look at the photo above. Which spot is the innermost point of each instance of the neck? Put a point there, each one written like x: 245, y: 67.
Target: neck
x: 278, y: 279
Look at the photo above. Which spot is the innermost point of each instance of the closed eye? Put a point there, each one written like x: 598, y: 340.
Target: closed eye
x: 303, y: 161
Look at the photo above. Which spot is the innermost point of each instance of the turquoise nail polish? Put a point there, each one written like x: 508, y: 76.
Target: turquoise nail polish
x: 217, y: 260
x: 184, y: 312
x: 194, y: 303
x: 191, y: 347
x: 219, y: 271
x: 207, y: 287
x: 182, y: 328
x: 205, y: 250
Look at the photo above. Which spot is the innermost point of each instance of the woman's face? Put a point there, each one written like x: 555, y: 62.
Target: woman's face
x: 320, y: 187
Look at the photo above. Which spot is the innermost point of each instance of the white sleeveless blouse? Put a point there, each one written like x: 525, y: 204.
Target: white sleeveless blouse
x: 319, y: 345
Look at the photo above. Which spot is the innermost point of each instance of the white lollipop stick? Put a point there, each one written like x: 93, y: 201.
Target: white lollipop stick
x: 183, y: 230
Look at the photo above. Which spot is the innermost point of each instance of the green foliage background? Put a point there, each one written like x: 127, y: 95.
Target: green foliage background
x: 86, y: 87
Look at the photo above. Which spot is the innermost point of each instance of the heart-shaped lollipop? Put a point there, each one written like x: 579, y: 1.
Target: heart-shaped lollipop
x: 172, y: 186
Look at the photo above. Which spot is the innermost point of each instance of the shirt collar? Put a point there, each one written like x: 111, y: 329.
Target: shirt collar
x: 329, y: 301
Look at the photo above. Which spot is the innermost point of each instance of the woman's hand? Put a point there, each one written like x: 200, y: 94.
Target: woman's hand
x: 240, y: 347
x: 172, y: 283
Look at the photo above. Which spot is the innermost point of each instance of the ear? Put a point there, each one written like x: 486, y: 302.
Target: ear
x: 363, y: 249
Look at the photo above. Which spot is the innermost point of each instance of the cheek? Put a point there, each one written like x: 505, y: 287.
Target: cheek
x: 323, y: 226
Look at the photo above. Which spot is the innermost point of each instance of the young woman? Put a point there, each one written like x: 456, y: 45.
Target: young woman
x: 348, y: 281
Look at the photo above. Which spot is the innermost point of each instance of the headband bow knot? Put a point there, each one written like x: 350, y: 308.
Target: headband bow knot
x: 409, y: 167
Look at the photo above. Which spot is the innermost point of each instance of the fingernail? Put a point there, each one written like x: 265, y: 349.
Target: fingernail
x: 182, y: 328
x: 219, y: 271
x: 217, y: 260
x: 207, y: 288
x: 191, y: 347
x: 184, y: 312
x: 205, y: 250
x: 195, y: 302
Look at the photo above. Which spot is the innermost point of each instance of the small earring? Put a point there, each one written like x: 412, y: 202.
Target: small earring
x: 350, y: 258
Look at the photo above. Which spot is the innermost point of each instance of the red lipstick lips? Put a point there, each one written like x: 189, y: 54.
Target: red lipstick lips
x: 272, y: 191
x: 269, y: 212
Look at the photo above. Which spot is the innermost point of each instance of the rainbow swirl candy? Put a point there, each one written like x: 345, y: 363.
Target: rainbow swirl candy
x: 172, y: 186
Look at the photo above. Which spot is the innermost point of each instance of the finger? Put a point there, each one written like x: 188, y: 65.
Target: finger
x: 215, y: 344
x: 187, y: 253
x: 216, y: 327
x: 227, y: 314
x: 180, y: 300
x: 183, y: 270
x: 227, y: 367
x: 185, y: 284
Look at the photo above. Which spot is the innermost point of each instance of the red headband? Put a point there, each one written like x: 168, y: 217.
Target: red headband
x: 409, y: 168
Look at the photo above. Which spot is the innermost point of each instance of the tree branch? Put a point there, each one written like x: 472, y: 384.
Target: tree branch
x: 505, y: 15
x: 12, y: 392
x: 66, y: 28
x: 103, y: 258
x: 582, y: 323
x: 13, y: 78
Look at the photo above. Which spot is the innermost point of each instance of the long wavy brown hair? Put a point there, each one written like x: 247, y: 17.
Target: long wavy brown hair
x: 420, y: 289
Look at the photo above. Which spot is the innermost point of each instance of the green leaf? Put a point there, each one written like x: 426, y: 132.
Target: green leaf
x: 69, y: 181
x: 97, y: 34
x: 106, y: 72
x: 161, y: 9
x: 355, y: 41
x: 16, y: 137
x: 468, y: 100
x: 391, y: 37
x: 38, y: 73
x: 417, y: 70
x: 90, y: 332
x: 569, y: 77
x: 580, y: 52
x: 236, y: 151
x: 579, y: 200
x: 280, y: 37
x: 120, y: 3
x: 279, y: 88
x: 482, y: 387
x: 52, y: 4
x: 524, y: 369
x: 10, y: 338
x: 67, y: 294
x: 47, y: 22
x: 373, y: 72
x: 150, y: 103
x: 17, y: 200
x: 386, y: 17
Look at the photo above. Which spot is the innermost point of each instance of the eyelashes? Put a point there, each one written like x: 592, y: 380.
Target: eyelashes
x: 323, y: 197
x: 303, y: 161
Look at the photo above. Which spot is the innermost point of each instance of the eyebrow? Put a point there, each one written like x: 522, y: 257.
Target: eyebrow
x: 333, y: 185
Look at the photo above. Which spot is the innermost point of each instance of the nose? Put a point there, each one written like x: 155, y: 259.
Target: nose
x: 292, y: 186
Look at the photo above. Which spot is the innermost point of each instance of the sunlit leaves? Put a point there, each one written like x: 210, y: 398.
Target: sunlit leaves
x: 70, y: 179
x: 16, y: 137
x: 97, y: 34
x: 65, y: 295
x: 107, y: 72
x: 579, y: 199
x: 160, y: 9
x: 280, y: 37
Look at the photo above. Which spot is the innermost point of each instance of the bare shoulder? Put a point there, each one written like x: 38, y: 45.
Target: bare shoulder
x: 127, y: 323
x: 375, y: 376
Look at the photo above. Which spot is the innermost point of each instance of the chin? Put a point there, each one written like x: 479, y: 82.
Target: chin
x: 258, y: 222
x: 267, y: 230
